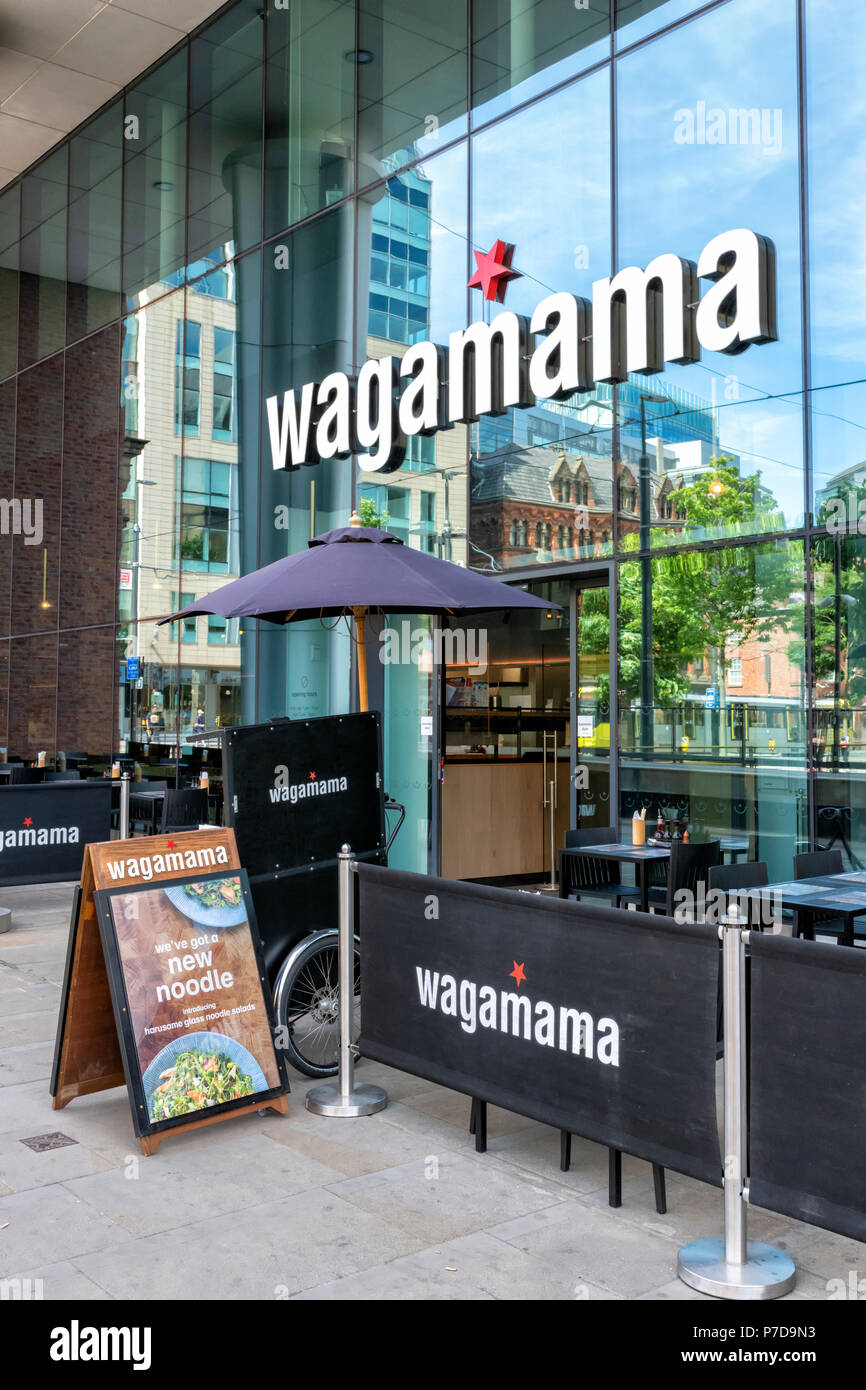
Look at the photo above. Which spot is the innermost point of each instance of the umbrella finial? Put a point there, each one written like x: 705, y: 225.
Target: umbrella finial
x: 354, y: 519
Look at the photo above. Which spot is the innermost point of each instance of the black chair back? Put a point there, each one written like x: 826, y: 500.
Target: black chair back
x: 70, y: 775
x: 28, y: 776
x: 730, y: 879
x: 688, y: 871
x: 586, y: 873
x: 818, y: 862
x: 183, y: 810
x: 148, y: 784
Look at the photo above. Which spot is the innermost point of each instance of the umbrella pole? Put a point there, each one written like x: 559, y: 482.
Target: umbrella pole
x: 361, y: 638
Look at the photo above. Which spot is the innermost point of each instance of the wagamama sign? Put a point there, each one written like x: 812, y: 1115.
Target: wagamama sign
x: 638, y: 320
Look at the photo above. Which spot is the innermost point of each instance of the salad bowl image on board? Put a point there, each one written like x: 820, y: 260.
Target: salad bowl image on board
x: 197, y: 1071
x: 215, y: 903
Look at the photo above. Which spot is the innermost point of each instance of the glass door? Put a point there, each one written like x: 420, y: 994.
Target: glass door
x: 590, y: 802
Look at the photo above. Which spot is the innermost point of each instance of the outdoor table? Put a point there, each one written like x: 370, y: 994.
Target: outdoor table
x: 639, y: 855
x: 839, y: 895
x: 146, y: 806
x: 642, y: 855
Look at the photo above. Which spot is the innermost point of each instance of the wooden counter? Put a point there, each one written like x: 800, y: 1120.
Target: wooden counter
x: 492, y: 819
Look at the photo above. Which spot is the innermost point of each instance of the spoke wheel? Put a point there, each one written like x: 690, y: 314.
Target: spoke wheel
x: 309, y: 1008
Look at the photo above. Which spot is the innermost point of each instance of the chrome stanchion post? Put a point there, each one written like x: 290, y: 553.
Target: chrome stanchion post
x: 346, y: 1098
x: 124, y: 806
x: 735, y: 1267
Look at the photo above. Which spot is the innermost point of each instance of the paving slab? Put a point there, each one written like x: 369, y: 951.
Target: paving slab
x: 594, y: 1245
x: 62, y: 1280
x: 273, y: 1251
x: 472, y: 1268
x: 178, y: 1186
x: 44, y: 1225
x: 447, y: 1195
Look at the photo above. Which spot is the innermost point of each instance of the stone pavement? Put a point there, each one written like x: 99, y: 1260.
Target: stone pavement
x: 394, y: 1206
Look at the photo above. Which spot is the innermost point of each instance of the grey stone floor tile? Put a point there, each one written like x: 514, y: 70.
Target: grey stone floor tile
x: 273, y: 1251
x: 27, y: 1062
x: 595, y: 1245
x: 25, y: 998
x: 62, y: 1281
x: 178, y: 1186
x: 38, y: 1026
x: 49, y: 1224
x: 21, y: 1169
x: 473, y: 1268
x: 448, y: 1195
x: 454, y: 1108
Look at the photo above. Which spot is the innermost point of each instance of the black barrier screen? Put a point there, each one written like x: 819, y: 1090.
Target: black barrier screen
x: 807, y: 1152
x: 595, y: 1021
x: 44, y: 828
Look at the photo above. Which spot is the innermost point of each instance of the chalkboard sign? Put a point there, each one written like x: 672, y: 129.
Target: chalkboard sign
x: 188, y: 985
x: 144, y: 978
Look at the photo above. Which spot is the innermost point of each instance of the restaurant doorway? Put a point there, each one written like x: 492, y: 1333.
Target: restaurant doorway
x: 526, y: 728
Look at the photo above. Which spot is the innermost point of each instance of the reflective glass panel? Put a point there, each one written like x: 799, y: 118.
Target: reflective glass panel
x: 714, y: 448
x: 542, y: 478
x: 10, y: 226
x: 712, y: 696
x: 38, y: 474
x: 42, y: 311
x: 225, y: 136
x: 95, y: 191
x: 309, y: 109
x: 154, y: 193
x: 524, y: 47
x: 411, y: 62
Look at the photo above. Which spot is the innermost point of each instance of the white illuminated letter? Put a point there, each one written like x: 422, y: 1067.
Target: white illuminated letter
x: 740, y: 307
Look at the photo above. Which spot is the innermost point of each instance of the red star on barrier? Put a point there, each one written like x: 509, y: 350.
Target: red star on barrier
x: 493, y: 270
x: 518, y: 973
x: 28, y: 820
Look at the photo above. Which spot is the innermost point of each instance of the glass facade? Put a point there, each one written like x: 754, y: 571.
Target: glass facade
x: 295, y: 191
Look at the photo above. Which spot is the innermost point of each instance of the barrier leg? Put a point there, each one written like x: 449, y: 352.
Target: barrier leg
x: 735, y: 1267
x: 614, y: 1178
x: 564, y: 1150
x: 346, y: 1098
x: 124, y: 806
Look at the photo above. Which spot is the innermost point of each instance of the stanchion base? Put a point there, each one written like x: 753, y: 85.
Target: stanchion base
x: 361, y: 1100
x: 767, y: 1273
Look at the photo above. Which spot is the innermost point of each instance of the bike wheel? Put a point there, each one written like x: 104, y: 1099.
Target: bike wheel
x: 308, y: 1007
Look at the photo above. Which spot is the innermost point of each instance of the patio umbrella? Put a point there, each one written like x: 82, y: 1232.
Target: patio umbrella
x: 357, y: 570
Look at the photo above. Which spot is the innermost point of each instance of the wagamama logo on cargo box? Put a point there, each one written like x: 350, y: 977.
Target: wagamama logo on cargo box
x: 284, y: 789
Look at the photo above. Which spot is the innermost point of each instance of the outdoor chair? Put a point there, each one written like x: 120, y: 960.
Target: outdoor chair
x: 144, y: 813
x: 687, y: 871
x: 28, y: 776
x: 183, y: 810
x: 732, y: 879
x: 582, y: 877
x: 812, y: 865
x: 70, y: 775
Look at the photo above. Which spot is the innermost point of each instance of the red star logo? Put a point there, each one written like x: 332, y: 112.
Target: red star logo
x: 312, y: 776
x: 28, y: 820
x: 493, y: 270
x: 171, y: 844
x: 518, y: 972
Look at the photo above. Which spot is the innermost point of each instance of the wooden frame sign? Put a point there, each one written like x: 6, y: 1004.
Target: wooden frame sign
x: 165, y: 987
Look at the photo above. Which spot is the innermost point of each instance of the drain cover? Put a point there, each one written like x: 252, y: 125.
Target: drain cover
x: 41, y: 1143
